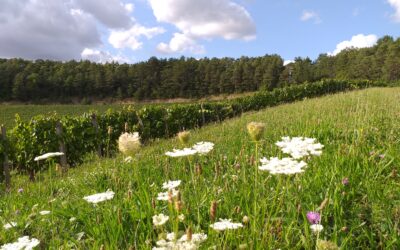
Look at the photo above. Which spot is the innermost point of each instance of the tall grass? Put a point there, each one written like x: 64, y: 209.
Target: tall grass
x: 360, y: 131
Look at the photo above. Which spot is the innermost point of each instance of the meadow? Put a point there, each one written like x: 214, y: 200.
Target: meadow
x: 353, y: 185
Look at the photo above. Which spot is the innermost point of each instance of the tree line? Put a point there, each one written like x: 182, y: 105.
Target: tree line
x: 53, y: 81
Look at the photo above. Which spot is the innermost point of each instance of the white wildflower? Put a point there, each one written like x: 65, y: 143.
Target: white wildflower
x: 225, y: 224
x: 282, y: 166
x: 203, y: 148
x: 96, y: 198
x: 23, y: 243
x: 80, y: 235
x: 298, y: 147
x: 129, y: 143
x: 163, y: 196
x: 181, y: 217
x: 128, y: 159
x: 44, y: 212
x: 72, y: 219
x: 10, y: 225
x: 160, y: 219
x: 316, y: 228
x: 171, y: 184
x: 196, y: 238
x: 181, y: 152
x: 171, y: 242
x: 48, y: 155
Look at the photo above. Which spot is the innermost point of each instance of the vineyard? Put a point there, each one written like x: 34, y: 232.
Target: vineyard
x: 346, y: 196
x: 98, y: 133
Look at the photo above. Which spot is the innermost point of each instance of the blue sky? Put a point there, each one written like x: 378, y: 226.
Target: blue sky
x: 134, y: 30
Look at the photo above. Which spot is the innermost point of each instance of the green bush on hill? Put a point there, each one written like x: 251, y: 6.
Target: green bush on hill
x: 38, y: 136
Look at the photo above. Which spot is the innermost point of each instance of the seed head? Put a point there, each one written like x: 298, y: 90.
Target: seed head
x: 213, y: 210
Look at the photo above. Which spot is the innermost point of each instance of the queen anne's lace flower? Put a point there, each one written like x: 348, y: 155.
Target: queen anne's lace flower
x: 282, y: 166
x: 316, y: 228
x: 160, y: 219
x: 164, y: 196
x: 129, y: 143
x: 172, y: 243
x: 48, y: 155
x: 171, y: 184
x: 23, y: 243
x: 96, y: 198
x: 203, y: 148
x: 44, y: 212
x: 225, y: 224
x: 10, y: 225
x: 299, y: 147
x: 181, y: 152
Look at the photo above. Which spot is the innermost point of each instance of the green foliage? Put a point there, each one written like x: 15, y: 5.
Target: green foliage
x: 360, y: 132
x: 38, y: 136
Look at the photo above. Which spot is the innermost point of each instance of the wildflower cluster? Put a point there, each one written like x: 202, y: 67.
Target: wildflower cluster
x: 299, y: 147
x: 96, y: 198
x: 129, y: 143
x: 200, y: 148
x: 22, y: 243
x: 171, y: 241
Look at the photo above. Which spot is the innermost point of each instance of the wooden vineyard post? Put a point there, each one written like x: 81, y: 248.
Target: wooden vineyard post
x: 6, y: 167
x: 96, y: 127
x: 63, y: 158
x: 202, y: 114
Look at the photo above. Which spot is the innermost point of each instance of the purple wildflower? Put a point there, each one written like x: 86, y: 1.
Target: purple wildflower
x: 382, y: 156
x: 20, y: 190
x: 345, y: 181
x: 313, y: 217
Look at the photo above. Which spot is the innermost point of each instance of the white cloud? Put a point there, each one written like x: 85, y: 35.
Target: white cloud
x: 62, y: 29
x: 102, y: 56
x: 396, y: 5
x: 46, y: 29
x: 112, y: 13
x: 357, y: 41
x: 129, y: 38
x: 181, y: 43
x: 286, y: 62
x: 310, y: 15
x: 202, y: 20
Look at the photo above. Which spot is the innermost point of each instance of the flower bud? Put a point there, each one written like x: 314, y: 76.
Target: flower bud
x: 245, y: 220
x: 256, y: 130
x: 184, y: 137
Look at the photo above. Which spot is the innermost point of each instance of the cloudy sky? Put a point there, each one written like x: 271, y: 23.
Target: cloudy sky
x: 134, y: 30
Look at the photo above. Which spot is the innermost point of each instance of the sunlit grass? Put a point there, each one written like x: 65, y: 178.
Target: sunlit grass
x: 360, y: 131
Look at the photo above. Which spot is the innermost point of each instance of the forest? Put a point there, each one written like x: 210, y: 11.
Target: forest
x: 84, y: 81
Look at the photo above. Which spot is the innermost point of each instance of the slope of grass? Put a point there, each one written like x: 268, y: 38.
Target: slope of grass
x: 360, y: 131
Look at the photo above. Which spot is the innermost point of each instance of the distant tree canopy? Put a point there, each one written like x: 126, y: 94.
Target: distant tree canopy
x: 43, y: 80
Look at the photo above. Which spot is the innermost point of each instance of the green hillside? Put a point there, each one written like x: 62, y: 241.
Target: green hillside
x: 360, y: 133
